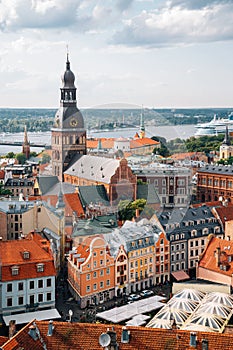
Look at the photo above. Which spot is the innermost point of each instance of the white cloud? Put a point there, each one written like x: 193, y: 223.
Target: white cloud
x: 178, y: 25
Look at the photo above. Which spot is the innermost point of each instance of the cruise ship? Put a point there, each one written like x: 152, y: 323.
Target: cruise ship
x: 215, y: 126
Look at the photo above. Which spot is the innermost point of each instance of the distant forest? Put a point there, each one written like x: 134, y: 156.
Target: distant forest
x: 14, y: 120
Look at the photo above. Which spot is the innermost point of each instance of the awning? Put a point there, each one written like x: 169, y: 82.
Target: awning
x: 180, y: 275
x: 30, y: 316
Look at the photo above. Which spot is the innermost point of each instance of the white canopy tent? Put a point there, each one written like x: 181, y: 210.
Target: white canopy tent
x: 135, y: 322
x: 30, y: 316
x: 119, y: 314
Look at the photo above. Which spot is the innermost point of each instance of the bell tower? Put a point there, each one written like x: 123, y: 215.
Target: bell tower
x: 68, y: 132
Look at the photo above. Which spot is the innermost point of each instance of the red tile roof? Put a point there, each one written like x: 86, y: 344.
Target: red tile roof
x: 225, y: 213
x: 209, y: 260
x: 72, y: 201
x: 11, y: 254
x: 84, y: 336
x: 146, y: 141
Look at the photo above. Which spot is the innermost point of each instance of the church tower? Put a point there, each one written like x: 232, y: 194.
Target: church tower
x: 142, y: 126
x: 226, y: 149
x: 68, y: 132
x: 26, y: 144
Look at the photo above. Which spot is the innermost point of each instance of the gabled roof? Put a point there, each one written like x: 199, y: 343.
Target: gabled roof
x: 224, y: 213
x: 85, y: 336
x: 46, y: 182
x: 64, y: 187
x: 11, y: 255
x: 73, y: 201
x: 93, y: 195
x: 143, y: 142
x: 94, y: 168
x: 208, y: 260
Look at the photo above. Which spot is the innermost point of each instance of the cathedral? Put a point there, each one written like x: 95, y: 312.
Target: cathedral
x: 69, y: 160
x: 68, y: 132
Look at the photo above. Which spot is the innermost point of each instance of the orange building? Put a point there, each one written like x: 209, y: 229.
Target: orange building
x: 91, y: 272
x: 162, y: 259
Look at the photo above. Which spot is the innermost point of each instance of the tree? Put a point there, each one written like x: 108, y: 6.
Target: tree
x: 45, y: 158
x: 33, y: 154
x: 4, y: 192
x: 10, y: 155
x: 127, y: 209
x: 21, y: 158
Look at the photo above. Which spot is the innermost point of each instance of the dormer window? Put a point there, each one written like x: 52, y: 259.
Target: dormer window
x: 26, y: 255
x: 40, y: 267
x: 15, y: 270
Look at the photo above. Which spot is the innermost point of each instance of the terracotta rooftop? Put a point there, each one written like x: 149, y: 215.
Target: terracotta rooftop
x: 11, y: 255
x: 83, y: 336
x: 146, y: 141
x: 224, y: 213
x: 209, y: 259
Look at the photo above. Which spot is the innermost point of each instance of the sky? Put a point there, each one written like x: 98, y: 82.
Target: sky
x: 155, y: 53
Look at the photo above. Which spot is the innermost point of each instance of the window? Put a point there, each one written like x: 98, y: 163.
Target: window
x: 20, y: 300
x: 101, y: 252
x: 101, y: 262
x: 94, y: 254
x: 40, y: 267
x: 40, y: 298
x: 88, y: 277
x: 9, y: 287
x: 94, y: 286
x: 31, y: 299
x: 49, y: 296
x: 101, y: 272
x: 20, y: 286
x: 26, y: 255
x: 94, y: 274
x: 88, y: 288
x: 9, y: 302
x: 32, y: 285
x: 40, y: 283
x: 94, y: 263
x: 101, y: 284
x: 108, y: 282
x: 49, y: 282
x: 15, y: 270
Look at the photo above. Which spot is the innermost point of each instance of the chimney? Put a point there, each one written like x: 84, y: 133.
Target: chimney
x: 204, y: 344
x: 193, y: 340
x: 217, y: 256
x: 32, y: 332
x: 12, y: 328
x: 50, y: 328
x: 125, y: 335
x: 113, y: 343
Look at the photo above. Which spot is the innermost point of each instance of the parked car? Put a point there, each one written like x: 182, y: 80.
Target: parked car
x: 133, y: 297
x: 146, y: 293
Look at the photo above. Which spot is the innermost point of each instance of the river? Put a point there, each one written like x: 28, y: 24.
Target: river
x: 169, y: 132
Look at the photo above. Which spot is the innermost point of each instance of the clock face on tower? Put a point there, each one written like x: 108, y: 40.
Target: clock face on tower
x: 73, y: 122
